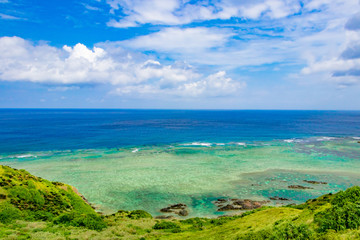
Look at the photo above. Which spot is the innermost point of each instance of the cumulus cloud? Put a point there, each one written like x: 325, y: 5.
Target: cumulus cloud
x: 315, y: 33
x: 342, y: 66
x: 318, y: 32
x: 214, y: 85
x: 24, y: 61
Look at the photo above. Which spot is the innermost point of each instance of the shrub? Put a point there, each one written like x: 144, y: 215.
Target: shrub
x: 43, y: 215
x: 90, y: 221
x: 344, y: 212
x: 350, y: 195
x: 20, y: 193
x: 137, y: 214
x: 9, y: 213
x: 291, y: 231
x: 339, y: 217
x: 283, y: 232
x: 166, y: 225
x: 26, y: 198
x: 219, y: 221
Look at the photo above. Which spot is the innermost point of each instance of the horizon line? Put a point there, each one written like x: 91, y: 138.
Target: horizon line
x: 175, y: 109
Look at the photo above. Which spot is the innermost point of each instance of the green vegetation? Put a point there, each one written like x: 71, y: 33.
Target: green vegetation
x: 34, y: 208
x: 344, y: 212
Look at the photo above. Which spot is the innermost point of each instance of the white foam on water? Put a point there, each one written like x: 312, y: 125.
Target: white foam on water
x: 241, y: 144
x: 289, y: 140
x: 25, y: 156
x: 220, y: 144
x: 203, y: 144
x: 325, y: 138
x: 135, y: 150
x: 356, y: 138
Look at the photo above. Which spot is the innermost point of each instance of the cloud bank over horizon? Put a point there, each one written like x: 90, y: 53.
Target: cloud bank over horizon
x: 239, y: 52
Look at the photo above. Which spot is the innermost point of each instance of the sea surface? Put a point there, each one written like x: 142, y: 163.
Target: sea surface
x: 148, y: 159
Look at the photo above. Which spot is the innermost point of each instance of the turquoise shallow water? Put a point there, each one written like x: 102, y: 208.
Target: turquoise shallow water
x: 152, y: 177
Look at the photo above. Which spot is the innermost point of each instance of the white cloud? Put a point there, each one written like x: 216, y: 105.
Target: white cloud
x: 180, y: 40
x: 341, y: 63
x: 91, y: 8
x: 175, y: 12
x: 63, y: 88
x: 23, y: 61
x: 332, y: 65
x: 215, y: 85
x: 316, y: 33
x: 9, y: 17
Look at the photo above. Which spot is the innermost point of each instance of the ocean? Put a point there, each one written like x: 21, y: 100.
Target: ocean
x: 148, y: 159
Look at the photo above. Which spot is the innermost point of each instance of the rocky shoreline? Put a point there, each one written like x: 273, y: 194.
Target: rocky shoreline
x: 234, y: 204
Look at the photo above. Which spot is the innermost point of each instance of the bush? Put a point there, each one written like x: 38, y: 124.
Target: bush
x: 26, y: 198
x: 166, y: 225
x: 284, y: 232
x: 291, y: 231
x: 9, y: 213
x: 344, y: 213
x: 339, y: 217
x: 137, y: 214
x: 90, y: 221
x: 43, y: 215
x: 219, y: 221
x: 350, y: 195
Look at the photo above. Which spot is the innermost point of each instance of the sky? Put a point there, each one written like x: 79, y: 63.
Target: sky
x: 180, y: 54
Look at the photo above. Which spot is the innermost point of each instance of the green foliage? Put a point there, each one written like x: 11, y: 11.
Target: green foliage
x: 282, y: 232
x: 344, y: 213
x: 9, y: 213
x: 90, y: 221
x: 197, y: 223
x: 291, y: 231
x: 350, y: 195
x: 166, y: 225
x: 43, y: 215
x: 137, y: 214
x: 219, y: 221
x: 339, y: 217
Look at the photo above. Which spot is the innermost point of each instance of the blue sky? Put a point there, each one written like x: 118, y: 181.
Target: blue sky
x: 180, y: 54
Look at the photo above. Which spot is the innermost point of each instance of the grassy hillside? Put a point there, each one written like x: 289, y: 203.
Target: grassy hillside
x: 34, y: 208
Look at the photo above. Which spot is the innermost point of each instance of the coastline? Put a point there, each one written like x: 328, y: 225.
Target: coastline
x: 59, y: 211
x: 155, y: 177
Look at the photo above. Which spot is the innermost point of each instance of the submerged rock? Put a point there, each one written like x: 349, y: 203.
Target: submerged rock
x: 166, y: 210
x: 276, y: 198
x: 250, y: 204
x: 183, y: 212
x: 164, y: 217
x: 299, y: 187
x: 229, y: 207
x: 238, y: 204
x: 179, y: 209
x: 178, y: 206
x: 314, y: 182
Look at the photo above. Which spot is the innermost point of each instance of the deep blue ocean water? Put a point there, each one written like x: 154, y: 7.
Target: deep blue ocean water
x: 58, y: 129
